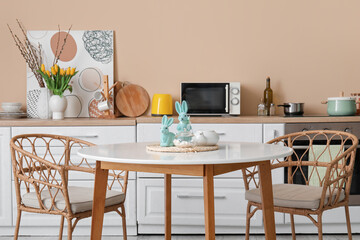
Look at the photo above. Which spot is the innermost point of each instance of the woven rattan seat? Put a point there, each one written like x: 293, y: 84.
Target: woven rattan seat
x: 80, y: 198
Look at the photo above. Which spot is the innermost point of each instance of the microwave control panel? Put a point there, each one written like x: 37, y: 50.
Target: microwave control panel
x: 234, y: 98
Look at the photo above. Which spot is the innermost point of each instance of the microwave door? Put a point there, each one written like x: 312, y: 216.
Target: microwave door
x: 206, y: 98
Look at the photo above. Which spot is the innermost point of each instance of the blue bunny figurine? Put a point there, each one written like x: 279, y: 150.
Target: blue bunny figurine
x: 167, y: 137
x: 184, y: 120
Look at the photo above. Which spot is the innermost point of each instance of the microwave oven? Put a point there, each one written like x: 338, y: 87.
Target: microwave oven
x: 211, y: 98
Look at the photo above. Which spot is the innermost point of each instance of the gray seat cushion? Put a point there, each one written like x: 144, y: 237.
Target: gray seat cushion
x: 292, y: 196
x: 81, y: 199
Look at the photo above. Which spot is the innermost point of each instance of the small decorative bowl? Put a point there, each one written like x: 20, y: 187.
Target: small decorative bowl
x: 11, y: 106
x: 184, y: 140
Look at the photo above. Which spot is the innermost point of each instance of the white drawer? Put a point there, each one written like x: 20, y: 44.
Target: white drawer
x: 93, y: 134
x: 110, y: 219
x: 150, y: 132
x: 188, y: 202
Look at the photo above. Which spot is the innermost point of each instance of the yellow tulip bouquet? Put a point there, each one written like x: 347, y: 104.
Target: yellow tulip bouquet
x: 58, y: 79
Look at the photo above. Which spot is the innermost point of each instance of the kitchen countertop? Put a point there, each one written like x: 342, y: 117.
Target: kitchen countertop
x: 256, y: 119
x: 30, y: 122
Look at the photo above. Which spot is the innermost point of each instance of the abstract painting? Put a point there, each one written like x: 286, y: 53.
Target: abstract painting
x: 91, y: 52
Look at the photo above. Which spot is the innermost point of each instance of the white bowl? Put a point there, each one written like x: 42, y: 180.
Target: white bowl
x: 11, y: 106
x: 11, y: 103
x: 183, y: 144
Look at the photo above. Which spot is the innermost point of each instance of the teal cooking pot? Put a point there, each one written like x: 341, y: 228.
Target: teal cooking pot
x: 341, y: 106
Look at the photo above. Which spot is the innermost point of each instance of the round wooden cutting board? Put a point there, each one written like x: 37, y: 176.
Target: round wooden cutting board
x: 132, y: 100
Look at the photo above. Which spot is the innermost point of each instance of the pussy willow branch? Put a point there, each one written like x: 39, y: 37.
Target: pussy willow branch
x: 28, y: 53
x: 57, y: 57
x: 31, y: 54
x: 40, y: 55
x: 28, y: 45
x: 57, y: 46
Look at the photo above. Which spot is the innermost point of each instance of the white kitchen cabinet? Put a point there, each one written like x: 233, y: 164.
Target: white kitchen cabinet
x: 145, y: 197
x: 93, y: 134
x: 150, y: 132
x: 271, y: 131
x: 188, y: 206
x: 187, y: 192
x: 5, y: 178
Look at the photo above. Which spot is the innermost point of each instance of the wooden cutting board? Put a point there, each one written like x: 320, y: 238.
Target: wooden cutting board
x: 116, y: 91
x: 132, y: 100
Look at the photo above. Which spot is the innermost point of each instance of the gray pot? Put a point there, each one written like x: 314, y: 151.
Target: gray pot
x: 293, y: 109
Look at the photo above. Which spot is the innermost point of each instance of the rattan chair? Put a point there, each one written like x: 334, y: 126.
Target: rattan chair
x: 324, y: 166
x: 42, y: 164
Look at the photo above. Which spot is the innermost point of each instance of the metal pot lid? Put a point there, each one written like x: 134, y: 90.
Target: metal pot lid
x: 341, y: 98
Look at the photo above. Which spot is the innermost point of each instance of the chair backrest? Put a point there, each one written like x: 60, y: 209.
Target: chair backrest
x: 321, y: 158
x: 41, y: 164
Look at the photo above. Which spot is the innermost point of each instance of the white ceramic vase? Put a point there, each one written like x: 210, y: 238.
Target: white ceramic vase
x: 58, y: 106
x: 43, y: 110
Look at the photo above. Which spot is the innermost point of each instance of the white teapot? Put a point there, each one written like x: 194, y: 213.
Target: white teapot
x: 206, y: 138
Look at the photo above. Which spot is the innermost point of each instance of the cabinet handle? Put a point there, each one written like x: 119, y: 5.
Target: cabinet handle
x: 220, y: 133
x: 198, y: 196
x: 84, y: 136
x: 274, y: 133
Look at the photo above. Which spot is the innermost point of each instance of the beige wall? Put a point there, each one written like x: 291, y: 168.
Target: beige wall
x: 311, y: 49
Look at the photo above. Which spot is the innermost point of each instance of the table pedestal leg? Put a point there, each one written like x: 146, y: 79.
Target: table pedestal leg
x: 99, y: 201
x: 267, y: 200
x: 167, y: 179
x: 208, y: 180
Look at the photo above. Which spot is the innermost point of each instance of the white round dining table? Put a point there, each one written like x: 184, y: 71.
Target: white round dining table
x: 230, y: 156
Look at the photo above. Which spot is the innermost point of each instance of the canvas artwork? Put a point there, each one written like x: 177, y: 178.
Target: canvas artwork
x: 91, y: 52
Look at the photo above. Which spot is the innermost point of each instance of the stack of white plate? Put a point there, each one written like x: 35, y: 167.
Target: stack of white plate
x: 11, y: 110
